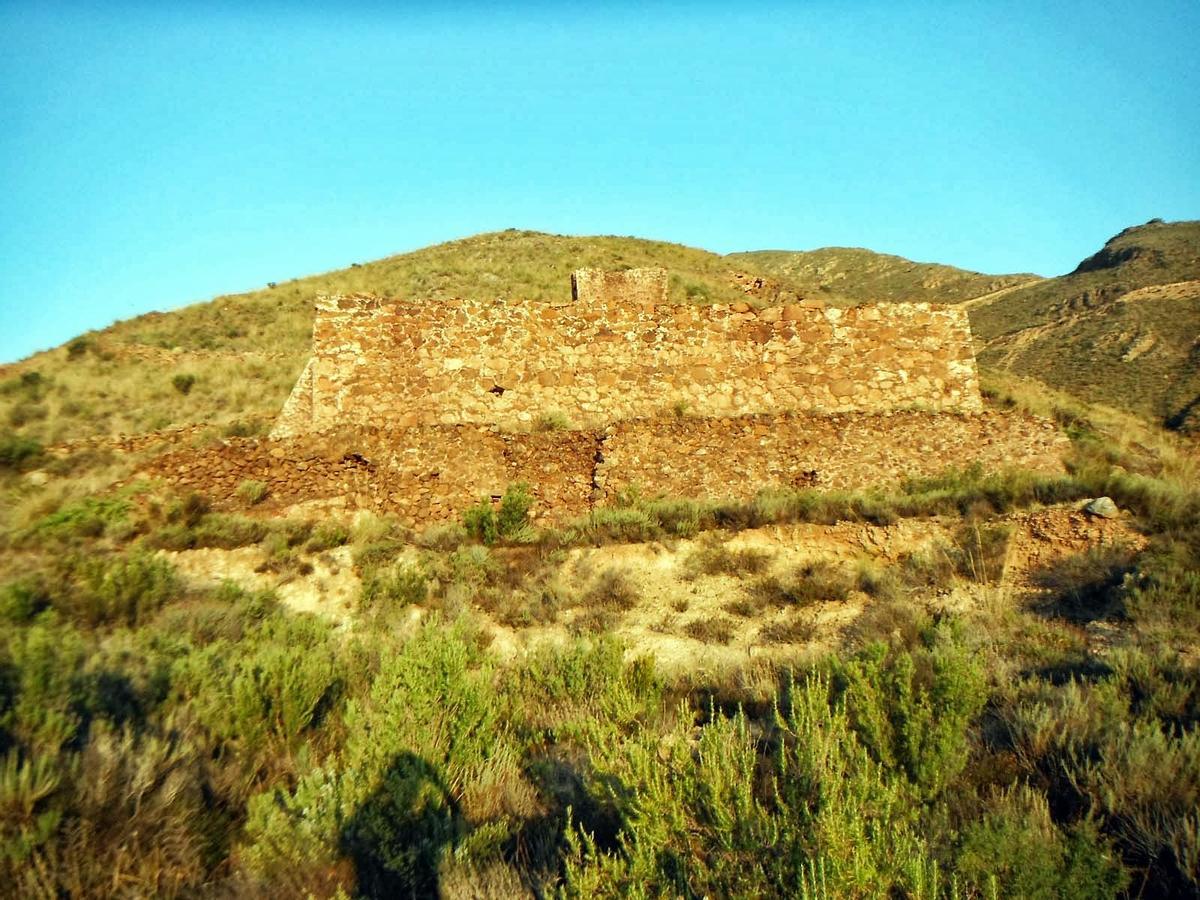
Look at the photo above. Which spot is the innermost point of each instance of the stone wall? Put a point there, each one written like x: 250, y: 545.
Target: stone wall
x: 429, y: 474
x: 627, y: 287
x: 389, y: 364
x: 737, y: 456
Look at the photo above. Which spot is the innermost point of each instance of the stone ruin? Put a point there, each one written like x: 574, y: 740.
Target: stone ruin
x: 419, y: 409
x: 617, y: 352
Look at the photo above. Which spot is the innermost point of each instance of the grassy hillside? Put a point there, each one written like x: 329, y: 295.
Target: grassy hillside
x: 1121, y: 329
x: 231, y: 362
x: 960, y: 687
x: 239, y: 355
x: 243, y: 352
x: 852, y: 274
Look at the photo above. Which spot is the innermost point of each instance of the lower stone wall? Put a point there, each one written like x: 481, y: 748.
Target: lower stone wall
x: 423, y: 475
x: 428, y: 474
x: 737, y: 457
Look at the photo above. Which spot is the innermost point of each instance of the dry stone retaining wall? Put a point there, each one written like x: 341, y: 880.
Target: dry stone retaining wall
x: 429, y: 474
x: 387, y: 364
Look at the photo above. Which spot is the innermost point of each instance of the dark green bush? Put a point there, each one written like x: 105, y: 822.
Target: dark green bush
x: 513, y: 515
x: 326, y: 536
x: 911, y: 710
x: 21, y: 600
x: 18, y: 452
x: 511, y: 522
x: 183, y: 383
x: 1016, y: 845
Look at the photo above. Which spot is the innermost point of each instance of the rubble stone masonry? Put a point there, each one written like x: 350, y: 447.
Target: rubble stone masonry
x: 421, y: 409
x: 387, y: 364
x: 428, y: 474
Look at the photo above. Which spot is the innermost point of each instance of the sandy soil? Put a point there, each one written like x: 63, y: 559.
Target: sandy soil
x: 671, y: 604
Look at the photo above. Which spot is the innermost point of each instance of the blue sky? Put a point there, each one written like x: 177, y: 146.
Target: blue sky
x: 157, y: 154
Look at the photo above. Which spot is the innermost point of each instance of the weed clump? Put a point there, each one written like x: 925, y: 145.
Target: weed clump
x: 252, y: 492
x: 552, y: 421
x: 401, y: 585
x: 712, y: 556
x: 820, y: 581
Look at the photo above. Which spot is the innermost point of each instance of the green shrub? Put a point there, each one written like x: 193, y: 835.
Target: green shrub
x: 86, y: 518
x: 265, y: 692
x: 183, y: 383
x: 252, y: 492
x: 122, y: 590
x: 21, y: 600
x: 326, y: 536
x: 23, y: 413
x: 1146, y: 786
x: 400, y: 586
x: 681, y: 518
x: 700, y: 813
x: 1016, y: 845
x: 227, y: 612
x: 221, y: 530
x: 78, y: 348
x: 511, y: 522
x: 512, y: 519
x: 480, y: 523
x: 18, y: 452
x: 45, y: 696
x: 911, y: 710
x: 426, y: 778
x: 619, y: 524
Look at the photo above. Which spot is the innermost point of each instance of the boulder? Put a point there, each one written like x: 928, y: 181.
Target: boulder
x: 1102, y: 507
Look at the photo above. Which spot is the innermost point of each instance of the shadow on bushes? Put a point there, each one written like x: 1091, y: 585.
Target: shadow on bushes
x: 398, y: 837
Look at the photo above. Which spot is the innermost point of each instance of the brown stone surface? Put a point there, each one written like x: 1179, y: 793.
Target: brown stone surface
x: 614, y: 355
x: 429, y: 474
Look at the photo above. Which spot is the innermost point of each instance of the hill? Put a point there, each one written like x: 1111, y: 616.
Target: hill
x: 1120, y: 329
x: 985, y: 679
x: 855, y: 275
x: 232, y: 361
